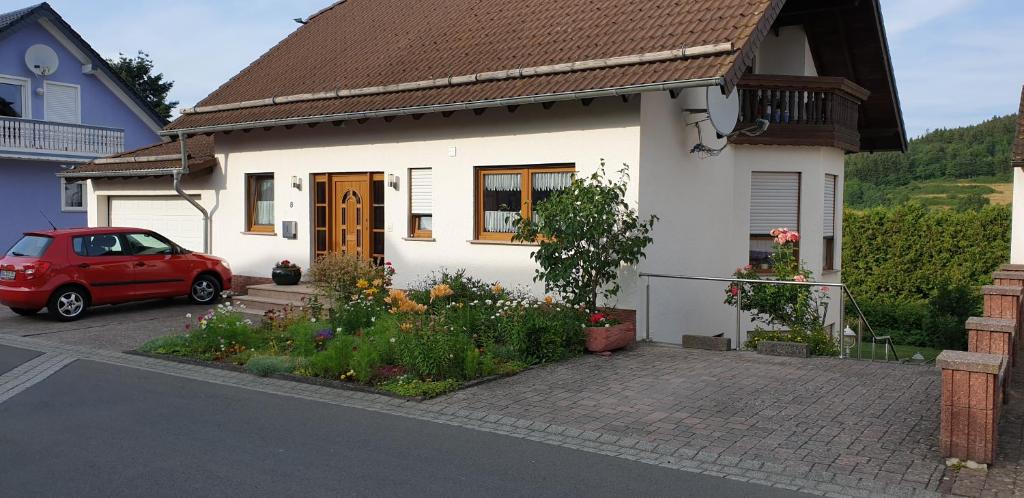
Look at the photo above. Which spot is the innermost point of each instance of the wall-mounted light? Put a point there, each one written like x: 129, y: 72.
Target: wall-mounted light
x: 393, y: 181
x: 296, y: 183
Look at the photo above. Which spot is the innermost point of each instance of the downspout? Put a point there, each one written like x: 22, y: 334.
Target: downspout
x: 177, y: 188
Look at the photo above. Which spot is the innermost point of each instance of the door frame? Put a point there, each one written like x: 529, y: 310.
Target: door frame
x: 324, y: 228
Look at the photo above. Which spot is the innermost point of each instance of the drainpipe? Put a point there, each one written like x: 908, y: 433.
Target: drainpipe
x: 177, y: 188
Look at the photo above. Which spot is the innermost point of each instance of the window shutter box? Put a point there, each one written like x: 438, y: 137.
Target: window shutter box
x: 830, y: 206
x: 61, y: 103
x: 774, y: 202
x: 421, y: 187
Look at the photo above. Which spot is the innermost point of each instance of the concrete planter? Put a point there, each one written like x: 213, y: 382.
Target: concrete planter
x: 605, y: 339
x: 286, y: 276
x: 791, y: 349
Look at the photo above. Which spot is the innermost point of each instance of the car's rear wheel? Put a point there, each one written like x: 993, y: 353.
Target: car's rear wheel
x: 25, y: 311
x: 68, y: 304
x: 205, y: 290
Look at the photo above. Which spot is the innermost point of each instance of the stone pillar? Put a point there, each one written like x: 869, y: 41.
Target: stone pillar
x: 1003, y: 301
x: 992, y: 336
x: 971, y: 399
x: 1012, y: 276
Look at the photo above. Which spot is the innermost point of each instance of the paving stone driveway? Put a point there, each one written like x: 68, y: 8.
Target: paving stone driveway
x: 114, y: 328
x: 852, y: 424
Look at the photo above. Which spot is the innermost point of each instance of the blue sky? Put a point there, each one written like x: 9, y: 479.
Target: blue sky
x: 957, y: 62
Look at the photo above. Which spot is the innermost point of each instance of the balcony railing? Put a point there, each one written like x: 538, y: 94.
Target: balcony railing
x: 59, y: 139
x: 801, y: 110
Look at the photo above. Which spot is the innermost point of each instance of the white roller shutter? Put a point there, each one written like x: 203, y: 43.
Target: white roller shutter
x: 774, y: 202
x: 830, y: 206
x: 62, y: 103
x: 421, y: 188
x: 170, y: 216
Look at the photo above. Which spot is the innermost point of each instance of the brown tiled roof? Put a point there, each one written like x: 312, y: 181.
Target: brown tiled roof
x: 1018, y: 144
x: 363, y: 43
x: 200, y: 152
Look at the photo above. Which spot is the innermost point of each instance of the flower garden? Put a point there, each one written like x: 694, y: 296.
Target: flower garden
x: 429, y: 340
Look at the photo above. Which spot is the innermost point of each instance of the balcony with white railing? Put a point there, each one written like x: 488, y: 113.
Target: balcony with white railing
x: 49, y: 140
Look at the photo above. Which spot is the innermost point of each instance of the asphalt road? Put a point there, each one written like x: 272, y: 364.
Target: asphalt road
x: 12, y: 357
x: 94, y: 429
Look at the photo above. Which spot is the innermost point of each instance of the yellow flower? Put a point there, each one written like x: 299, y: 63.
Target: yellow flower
x: 440, y: 291
x: 549, y: 299
x: 372, y: 291
x: 362, y: 283
x: 378, y: 282
x: 497, y: 288
x: 405, y: 327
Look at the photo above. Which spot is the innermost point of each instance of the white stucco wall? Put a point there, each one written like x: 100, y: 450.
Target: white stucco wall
x: 704, y: 211
x: 1017, y: 233
x: 785, y: 52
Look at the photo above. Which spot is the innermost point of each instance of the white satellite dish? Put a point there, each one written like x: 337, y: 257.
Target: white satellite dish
x: 723, y: 110
x: 41, y: 59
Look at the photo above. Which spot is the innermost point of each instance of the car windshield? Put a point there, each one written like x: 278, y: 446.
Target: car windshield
x: 30, y: 246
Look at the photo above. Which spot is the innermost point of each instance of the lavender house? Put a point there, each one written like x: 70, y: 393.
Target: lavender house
x: 60, y: 105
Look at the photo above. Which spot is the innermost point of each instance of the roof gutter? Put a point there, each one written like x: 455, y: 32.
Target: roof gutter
x: 181, y: 193
x: 460, y: 106
x: 113, y: 174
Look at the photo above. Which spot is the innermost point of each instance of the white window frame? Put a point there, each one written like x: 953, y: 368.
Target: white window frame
x: 64, y: 202
x: 415, y: 231
x: 26, y: 92
x: 78, y: 99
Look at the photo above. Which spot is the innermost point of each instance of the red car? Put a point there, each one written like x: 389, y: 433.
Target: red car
x: 67, y: 271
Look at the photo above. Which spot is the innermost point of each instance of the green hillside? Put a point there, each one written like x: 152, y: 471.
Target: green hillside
x: 962, y: 168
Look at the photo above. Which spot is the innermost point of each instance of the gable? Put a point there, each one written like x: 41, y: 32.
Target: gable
x: 1018, y: 143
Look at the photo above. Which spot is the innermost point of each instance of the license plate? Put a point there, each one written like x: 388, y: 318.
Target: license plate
x: 6, y: 275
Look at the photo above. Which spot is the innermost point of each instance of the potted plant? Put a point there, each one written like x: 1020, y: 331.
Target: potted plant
x: 286, y: 273
x: 586, y: 234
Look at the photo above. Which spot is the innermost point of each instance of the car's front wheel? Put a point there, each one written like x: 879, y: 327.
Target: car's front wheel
x: 68, y: 304
x: 25, y: 311
x: 205, y: 290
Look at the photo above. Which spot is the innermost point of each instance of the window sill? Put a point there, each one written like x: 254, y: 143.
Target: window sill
x: 419, y: 239
x: 501, y: 243
x: 73, y: 210
x: 830, y: 271
x: 265, y: 234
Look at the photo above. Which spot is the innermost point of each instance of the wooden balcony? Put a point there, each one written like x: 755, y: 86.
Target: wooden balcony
x: 801, y: 110
x: 47, y: 140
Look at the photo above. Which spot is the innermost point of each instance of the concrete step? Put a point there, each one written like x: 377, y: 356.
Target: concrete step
x: 259, y: 305
x: 298, y: 293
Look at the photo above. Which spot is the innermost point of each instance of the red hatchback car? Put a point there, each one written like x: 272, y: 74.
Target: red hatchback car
x: 67, y: 271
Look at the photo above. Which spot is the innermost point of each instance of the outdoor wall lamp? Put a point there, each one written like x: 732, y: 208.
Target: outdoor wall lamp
x: 393, y: 181
x: 296, y: 183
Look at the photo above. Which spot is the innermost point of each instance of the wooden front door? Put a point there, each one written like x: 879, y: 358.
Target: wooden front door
x: 352, y: 209
x: 349, y: 215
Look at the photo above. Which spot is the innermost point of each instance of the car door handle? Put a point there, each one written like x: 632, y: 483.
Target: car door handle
x: 84, y: 265
x: 140, y: 264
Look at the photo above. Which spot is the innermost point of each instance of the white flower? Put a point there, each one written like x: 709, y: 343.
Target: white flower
x: 488, y: 302
x: 188, y: 315
x: 312, y: 320
x: 338, y: 330
x: 392, y: 340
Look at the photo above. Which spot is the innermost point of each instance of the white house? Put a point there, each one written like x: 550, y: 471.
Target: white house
x: 402, y: 130
x: 1017, y: 161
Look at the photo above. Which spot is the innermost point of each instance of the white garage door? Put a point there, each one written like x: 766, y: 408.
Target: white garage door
x: 172, y: 217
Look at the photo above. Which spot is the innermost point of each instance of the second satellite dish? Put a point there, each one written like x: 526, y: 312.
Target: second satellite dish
x: 723, y: 110
x: 41, y: 60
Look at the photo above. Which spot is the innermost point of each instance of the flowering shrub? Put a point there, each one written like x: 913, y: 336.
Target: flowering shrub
x: 286, y: 265
x: 798, y: 308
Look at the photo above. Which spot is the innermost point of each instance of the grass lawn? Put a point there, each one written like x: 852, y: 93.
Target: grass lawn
x: 904, y: 352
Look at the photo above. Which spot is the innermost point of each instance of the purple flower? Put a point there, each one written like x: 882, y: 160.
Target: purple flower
x: 324, y: 335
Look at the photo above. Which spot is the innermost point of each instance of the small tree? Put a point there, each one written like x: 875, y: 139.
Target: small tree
x: 137, y: 72
x: 586, y: 233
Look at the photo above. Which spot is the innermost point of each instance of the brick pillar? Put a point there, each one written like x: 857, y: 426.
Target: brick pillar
x: 992, y: 336
x: 971, y: 399
x: 1012, y: 276
x: 1003, y: 301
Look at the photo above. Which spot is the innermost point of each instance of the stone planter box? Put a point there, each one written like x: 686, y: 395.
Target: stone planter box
x: 707, y: 342
x: 791, y: 349
x: 605, y: 339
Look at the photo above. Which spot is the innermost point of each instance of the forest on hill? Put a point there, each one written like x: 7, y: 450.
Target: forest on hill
x: 963, y: 168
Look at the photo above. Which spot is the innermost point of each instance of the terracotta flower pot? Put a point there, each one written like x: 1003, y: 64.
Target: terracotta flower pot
x: 604, y: 339
x: 286, y: 276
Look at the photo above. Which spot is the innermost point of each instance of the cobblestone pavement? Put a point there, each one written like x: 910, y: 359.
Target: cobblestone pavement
x: 1006, y: 477
x: 822, y: 426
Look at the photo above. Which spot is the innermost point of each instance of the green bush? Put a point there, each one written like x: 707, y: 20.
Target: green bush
x: 172, y: 344
x: 416, y: 387
x: 333, y: 361
x: 817, y: 337
x: 264, y: 366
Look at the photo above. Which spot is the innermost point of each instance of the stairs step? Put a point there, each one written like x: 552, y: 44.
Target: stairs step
x: 260, y: 304
x: 297, y: 293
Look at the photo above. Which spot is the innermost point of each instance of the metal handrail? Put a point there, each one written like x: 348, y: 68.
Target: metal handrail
x: 887, y: 340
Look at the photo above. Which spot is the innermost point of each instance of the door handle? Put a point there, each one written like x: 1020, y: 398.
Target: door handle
x: 140, y: 264
x: 84, y: 265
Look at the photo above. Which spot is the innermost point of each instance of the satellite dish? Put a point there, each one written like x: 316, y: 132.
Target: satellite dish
x: 723, y: 110
x: 41, y: 59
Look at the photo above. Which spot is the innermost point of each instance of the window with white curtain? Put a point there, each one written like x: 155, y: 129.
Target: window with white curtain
x: 504, y: 194
x: 829, y: 223
x: 774, y: 203
x: 72, y: 195
x: 421, y: 203
x: 260, y: 197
